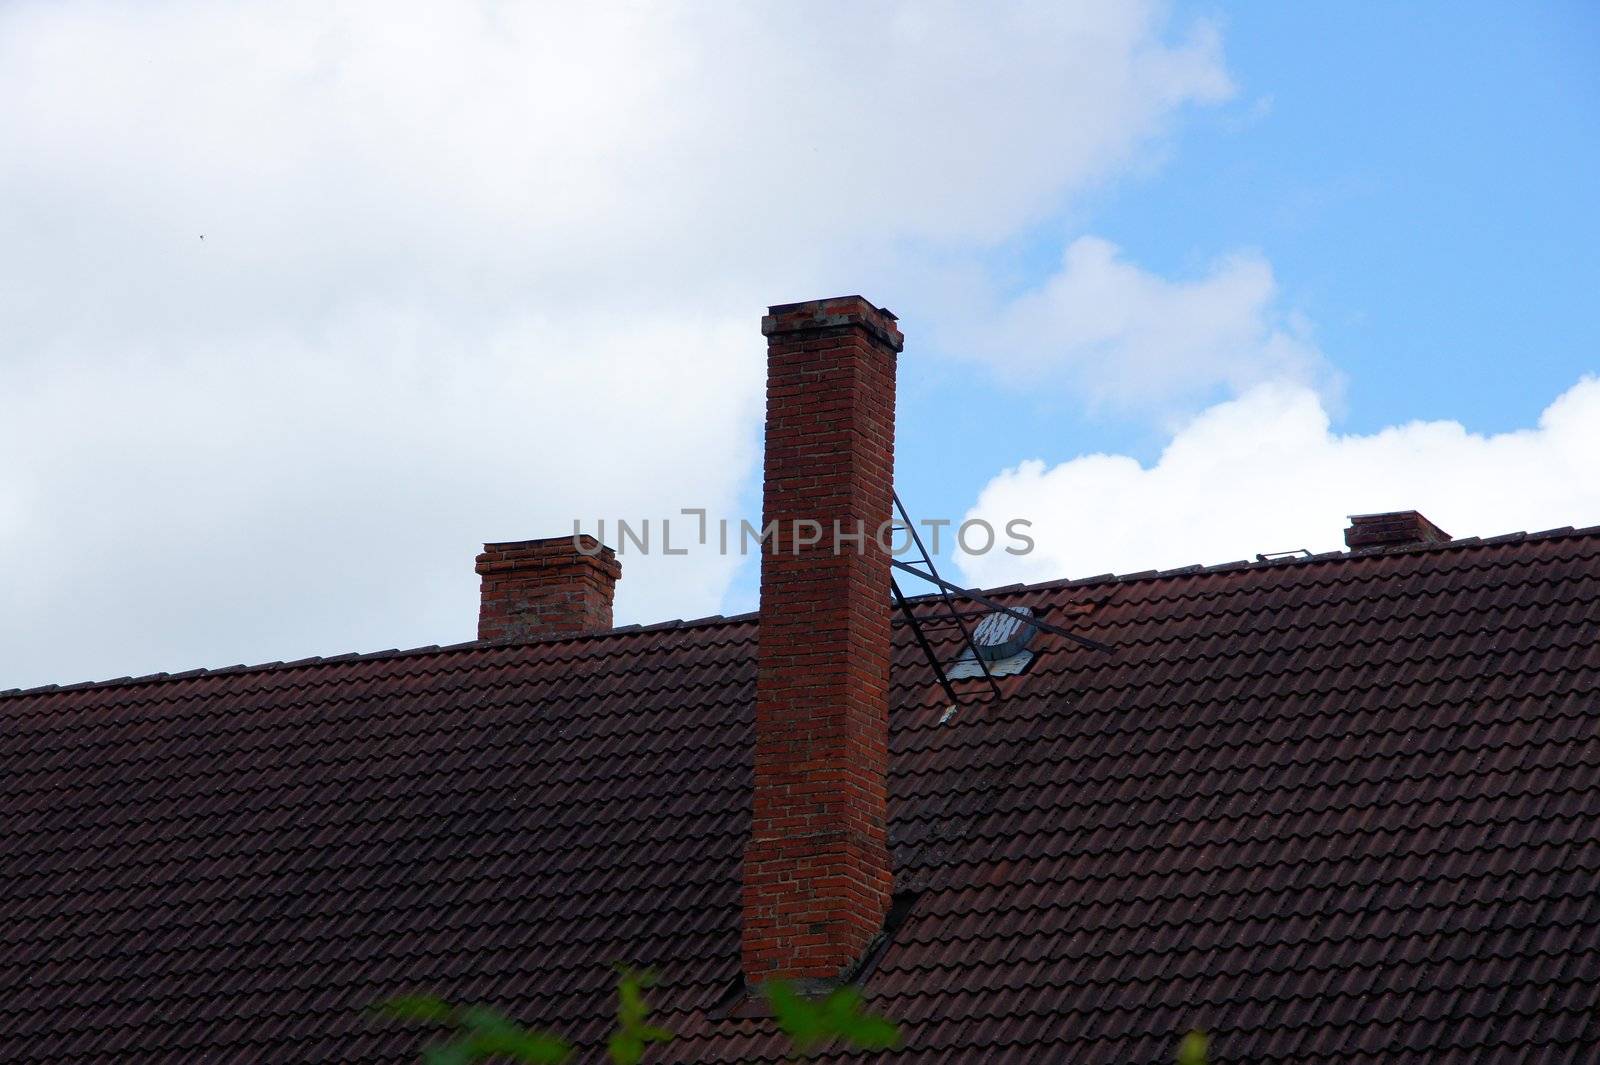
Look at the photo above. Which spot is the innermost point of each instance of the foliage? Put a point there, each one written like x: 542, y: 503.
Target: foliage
x: 480, y: 1033
x: 1194, y: 1048
x: 633, y: 1032
x: 809, y: 1024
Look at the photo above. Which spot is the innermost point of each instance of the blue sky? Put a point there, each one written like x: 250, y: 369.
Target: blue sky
x: 1180, y: 283
x: 1421, y: 178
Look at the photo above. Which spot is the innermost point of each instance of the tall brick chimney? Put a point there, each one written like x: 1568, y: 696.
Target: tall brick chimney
x: 817, y: 880
x: 539, y: 588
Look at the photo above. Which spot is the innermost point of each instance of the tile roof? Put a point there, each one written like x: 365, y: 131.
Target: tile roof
x: 1342, y: 806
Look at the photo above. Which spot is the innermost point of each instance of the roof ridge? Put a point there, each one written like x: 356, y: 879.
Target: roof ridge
x: 1380, y: 551
x: 1564, y: 532
x: 377, y: 656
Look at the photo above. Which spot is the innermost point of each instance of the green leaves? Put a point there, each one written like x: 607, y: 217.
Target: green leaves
x: 633, y: 1033
x: 480, y: 1033
x: 809, y: 1023
x: 1193, y: 1049
x: 416, y: 1008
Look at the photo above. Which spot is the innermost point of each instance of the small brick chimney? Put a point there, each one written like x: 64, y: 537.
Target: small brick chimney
x: 817, y: 879
x: 1392, y: 529
x: 539, y: 588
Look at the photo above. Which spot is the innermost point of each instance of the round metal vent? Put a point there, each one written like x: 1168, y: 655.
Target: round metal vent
x: 1000, y: 635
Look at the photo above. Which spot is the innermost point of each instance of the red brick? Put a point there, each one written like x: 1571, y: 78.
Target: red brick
x: 537, y: 589
x: 816, y: 873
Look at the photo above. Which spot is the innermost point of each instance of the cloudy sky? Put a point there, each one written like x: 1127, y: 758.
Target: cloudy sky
x: 1180, y: 284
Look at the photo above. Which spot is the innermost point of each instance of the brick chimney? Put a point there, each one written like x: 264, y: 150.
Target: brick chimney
x: 1392, y: 529
x: 817, y: 880
x: 539, y: 588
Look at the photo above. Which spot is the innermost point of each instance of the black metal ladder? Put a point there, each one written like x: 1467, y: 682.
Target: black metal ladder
x: 947, y: 591
x: 931, y: 574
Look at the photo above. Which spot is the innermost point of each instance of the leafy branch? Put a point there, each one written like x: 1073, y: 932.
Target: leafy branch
x: 634, y: 1032
x: 809, y: 1024
x: 479, y: 1033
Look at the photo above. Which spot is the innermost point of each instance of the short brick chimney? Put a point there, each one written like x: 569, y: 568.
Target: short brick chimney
x: 1392, y: 529
x: 817, y: 879
x: 539, y: 588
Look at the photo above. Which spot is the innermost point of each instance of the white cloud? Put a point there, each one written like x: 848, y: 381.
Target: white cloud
x: 468, y: 272
x: 1129, y: 338
x: 1263, y: 472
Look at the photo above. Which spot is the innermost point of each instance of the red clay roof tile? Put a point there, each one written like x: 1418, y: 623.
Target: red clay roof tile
x: 1332, y: 806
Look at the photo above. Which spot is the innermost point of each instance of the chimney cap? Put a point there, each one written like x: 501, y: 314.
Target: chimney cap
x: 1392, y: 528
x: 833, y: 312
x: 550, y: 552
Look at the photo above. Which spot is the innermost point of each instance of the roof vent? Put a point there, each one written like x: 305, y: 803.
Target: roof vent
x: 1001, y: 640
x: 1393, y: 529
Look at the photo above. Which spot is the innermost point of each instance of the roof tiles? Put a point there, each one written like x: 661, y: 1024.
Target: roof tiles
x: 1339, y: 806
